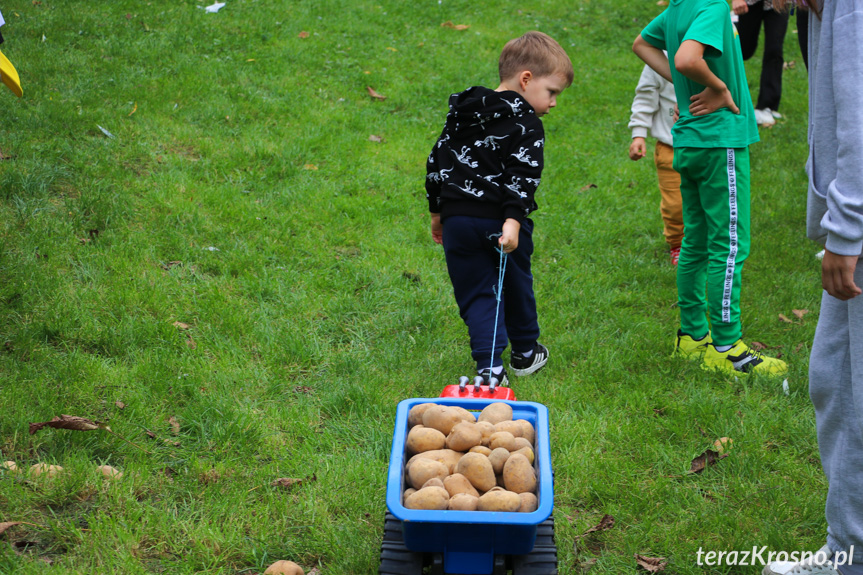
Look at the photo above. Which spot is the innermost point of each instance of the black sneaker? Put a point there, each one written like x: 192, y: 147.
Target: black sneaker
x: 502, y: 379
x: 521, y: 365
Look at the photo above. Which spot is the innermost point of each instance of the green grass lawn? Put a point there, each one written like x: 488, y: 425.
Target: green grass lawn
x: 241, y: 195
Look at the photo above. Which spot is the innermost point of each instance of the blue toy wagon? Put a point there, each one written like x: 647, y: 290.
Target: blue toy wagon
x: 425, y: 542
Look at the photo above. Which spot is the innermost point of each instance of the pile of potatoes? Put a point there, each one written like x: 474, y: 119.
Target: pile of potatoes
x: 466, y: 463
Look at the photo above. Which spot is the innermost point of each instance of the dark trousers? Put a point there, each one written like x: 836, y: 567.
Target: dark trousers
x: 473, y: 262
x: 803, y: 34
x: 775, y: 26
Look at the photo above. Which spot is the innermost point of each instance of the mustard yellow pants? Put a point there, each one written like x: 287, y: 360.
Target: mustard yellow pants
x: 670, y: 204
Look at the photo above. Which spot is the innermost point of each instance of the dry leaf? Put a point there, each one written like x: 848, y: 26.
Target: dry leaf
x: 652, y: 564
x: 310, y: 167
x: 134, y: 109
x: 303, y: 389
x: 799, y: 312
x: 290, y: 482
x: 587, y: 187
x: 374, y: 94
x: 72, y: 422
x: 374, y: 138
x: 191, y: 343
x: 662, y: 2
x: 789, y: 65
x: 705, y: 460
x: 120, y: 404
x: 181, y: 325
x: 175, y: 425
x: 7, y: 525
x: 314, y: 571
x: 606, y: 523
x: 723, y: 444
x: 783, y: 318
x: 170, y: 264
x: 303, y: 34
x: 150, y: 434
x: 799, y: 347
x: 449, y: 24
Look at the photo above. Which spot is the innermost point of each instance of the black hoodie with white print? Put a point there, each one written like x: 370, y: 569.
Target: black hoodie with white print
x: 487, y: 162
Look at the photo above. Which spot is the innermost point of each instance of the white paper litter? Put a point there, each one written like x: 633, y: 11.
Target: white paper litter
x: 211, y: 249
x: 104, y: 131
x: 819, y: 255
x: 785, y: 388
x: 213, y: 8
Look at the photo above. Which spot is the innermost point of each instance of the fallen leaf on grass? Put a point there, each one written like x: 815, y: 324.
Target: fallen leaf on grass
x: 789, y: 65
x: 799, y: 346
x: 783, y: 318
x: 181, y: 325
x: 303, y: 389
x: 72, y: 422
x: 652, y: 564
x: 150, y: 434
x: 799, y: 313
x: 449, y: 24
x: 314, y: 571
x: 170, y: 264
x: 290, y: 482
x: 7, y: 525
x: 586, y: 565
x: 134, y: 109
x: 757, y: 345
x: 722, y: 444
x: 310, y: 167
x: 191, y: 343
x: 705, y: 460
x: 587, y: 187
x: 662, y: 3
x: 374, y: 138
x: 303, y: 34
x: 175, y: 425
x: 374, y: 94
x: 606, y: 523
x: 120, y: 405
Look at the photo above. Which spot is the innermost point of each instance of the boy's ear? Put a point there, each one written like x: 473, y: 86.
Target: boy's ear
x: 524, y: 78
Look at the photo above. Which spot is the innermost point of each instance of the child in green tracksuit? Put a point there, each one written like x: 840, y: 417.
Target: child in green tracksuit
x: 711, y: 153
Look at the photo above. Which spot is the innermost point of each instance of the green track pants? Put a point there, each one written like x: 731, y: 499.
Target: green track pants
x: 714, y: 186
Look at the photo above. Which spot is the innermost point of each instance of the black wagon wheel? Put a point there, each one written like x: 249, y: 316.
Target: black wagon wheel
x: 543, y: 559
x: 396, y: 559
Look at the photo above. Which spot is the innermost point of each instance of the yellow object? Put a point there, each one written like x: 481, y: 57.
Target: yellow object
x: 9, y: 75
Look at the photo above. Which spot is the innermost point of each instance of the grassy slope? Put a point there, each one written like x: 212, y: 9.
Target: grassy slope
x: 326, y: 302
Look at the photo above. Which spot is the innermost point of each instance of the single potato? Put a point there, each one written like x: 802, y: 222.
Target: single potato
x: 463, y: 502
x: 284, y: 568
x: 446, y: 456
x: 109, y: 472
x: 478, y: 470
x: 503, y: 439
x: 428, y: 498
x: 487, y: 429
x: 40, y: 469
x: 442, y: 418
x: 510, y: 426
x: 422, y: 470
x: 481, y: 449
x: 496, y: 412
x: 458, y: 483
x: 528, y: 503
x: 527, y: 452
x: 527, y: 430
x: 519, y: 475
x: 463, y: 436
x: 433, y: 482
x: 421, y: 439
x: 498, y: 457
x: 415, y: 415
x: 499, y: 499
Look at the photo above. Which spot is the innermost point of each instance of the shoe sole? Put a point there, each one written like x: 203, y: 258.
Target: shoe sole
x: 734, y: 372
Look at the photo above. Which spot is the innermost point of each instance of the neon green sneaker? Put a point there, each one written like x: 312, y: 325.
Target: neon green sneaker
x: 690, y: 348
x: 743, y: 360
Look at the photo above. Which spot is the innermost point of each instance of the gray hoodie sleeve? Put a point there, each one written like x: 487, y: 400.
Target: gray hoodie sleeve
x: 843, y: 220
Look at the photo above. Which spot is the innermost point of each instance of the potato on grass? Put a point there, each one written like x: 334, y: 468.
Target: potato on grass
x: 499, y: 499
x: 528, y: 503
x: 45, y: 470
x: 477, y: 468
x: 109, y: 472
x: 458, y: 483
x: 422, y: 470
x: 496, y: 412
x: 421, y: 439
x: 519, y: 475
x: 463, y: 436
x: 415, y: 415
x: 9, y: 466
x: 284, y: 568
x: 463, y: 502
x: 428, y: 498
x: 442, y: 418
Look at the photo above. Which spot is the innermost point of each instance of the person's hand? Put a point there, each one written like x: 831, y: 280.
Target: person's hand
x: 837, y: 275
x: 509, y: 235
x: 637, y: 149
x: 709, y: 100
x: 739, y: 7
x: 436, y: 229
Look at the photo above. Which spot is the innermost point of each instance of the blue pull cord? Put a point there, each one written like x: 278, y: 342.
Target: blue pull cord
x: 501, y: 269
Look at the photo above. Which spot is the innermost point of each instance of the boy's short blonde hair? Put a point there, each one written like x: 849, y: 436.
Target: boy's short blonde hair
x: 536, y: 52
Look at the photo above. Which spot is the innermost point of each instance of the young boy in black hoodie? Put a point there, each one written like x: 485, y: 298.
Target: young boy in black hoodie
x: 482, y: 175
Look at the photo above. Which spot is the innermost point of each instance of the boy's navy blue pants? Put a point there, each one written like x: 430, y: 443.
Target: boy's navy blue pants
x: 472, y: 261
